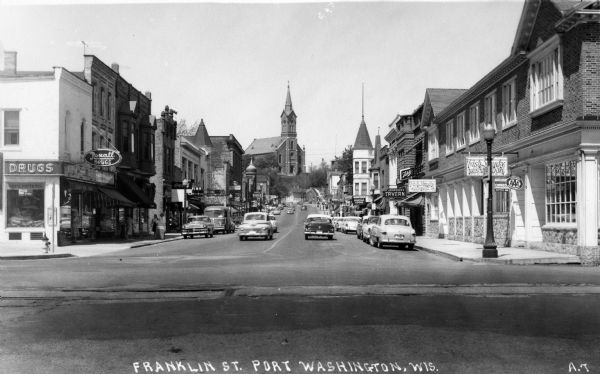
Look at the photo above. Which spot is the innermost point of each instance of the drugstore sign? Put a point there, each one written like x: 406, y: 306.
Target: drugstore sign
x: 103, y: 157
x: 32, y: 167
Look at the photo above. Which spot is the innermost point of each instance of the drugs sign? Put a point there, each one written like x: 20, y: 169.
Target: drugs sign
x: 103, y: 157
x: 476, y: 166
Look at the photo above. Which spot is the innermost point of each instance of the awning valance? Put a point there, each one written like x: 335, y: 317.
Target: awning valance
x: 413, y: 200
x: 115, y: 195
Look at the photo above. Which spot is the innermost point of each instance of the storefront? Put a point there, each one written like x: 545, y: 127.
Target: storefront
x: 134, y: 220
x: 30, y: 191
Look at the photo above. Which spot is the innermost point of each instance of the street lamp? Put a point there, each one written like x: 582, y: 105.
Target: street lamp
x: 489, y: 247
x: 185, y: 183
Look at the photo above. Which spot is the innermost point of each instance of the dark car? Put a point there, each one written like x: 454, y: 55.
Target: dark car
x: 318, y: 225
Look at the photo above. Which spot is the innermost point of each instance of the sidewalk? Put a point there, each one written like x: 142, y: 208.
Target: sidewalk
x: 465, y: 251
x: 34, y: 250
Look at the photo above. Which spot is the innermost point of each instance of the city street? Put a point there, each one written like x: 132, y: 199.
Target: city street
x: 288, y: 299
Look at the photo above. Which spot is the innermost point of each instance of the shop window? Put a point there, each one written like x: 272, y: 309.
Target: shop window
x: 11, y: 127
x: 501, y: 201
x: 561, y: 192
x: 25, y: 206
x: 433, y: 208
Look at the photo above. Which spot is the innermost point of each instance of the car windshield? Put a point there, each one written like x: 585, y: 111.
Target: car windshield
x: 255, y: 217
x: 215, y: 213
x: 396, y: 222
x: 318, y: 219
x: 198, y: 220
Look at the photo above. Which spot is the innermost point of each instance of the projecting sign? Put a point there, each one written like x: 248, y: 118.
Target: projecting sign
x: 476, y: 166
x: 514, y: 182
x: 406, y: 173
x: 421, y: 185
x: 395, y: 193
x: 103, y: 157
x: 359, y: 200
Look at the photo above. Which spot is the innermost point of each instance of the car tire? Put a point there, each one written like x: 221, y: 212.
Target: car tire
x: 305, y: 237
x: 212, y: 234
x: 411, y: 247
x: 185, y: 236
x: 330, y: 237
x: 206, y: 235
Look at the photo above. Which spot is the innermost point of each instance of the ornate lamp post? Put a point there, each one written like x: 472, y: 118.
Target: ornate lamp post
x: 185, y: 203
x: 489, y: 247
x: 251, y: 175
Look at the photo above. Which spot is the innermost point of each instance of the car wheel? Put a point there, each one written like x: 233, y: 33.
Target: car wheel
x: 330, y: 237
x: 212, y: 234
x: 411, y: 247
x: 305, y: 237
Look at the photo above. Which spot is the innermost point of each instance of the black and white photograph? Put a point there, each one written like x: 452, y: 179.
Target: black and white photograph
x: 280, y: 186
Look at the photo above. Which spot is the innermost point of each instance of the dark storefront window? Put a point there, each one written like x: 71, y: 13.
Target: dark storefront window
x: 25, y: 207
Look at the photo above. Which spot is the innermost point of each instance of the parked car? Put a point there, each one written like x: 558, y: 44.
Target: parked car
x: 276, y: 212
x: 256, y: 225
x: 318, y: 225
x: 273, y: 221
x: 290, y: 211
x: 198, y: 225
x: 366, y: 227
x: 335, y: 221
x: 349, y: 224
x: 392, y: 229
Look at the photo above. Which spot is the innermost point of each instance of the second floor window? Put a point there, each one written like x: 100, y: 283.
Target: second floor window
x: 363, y: 167
x: 546, y: 79
x: 433, y: 150
x: 11, y: 123
x: 449, y: 137
x: 460, y: 131
x: 474, y: 123
x: 489, y: 109
x: 356, y: 167
x: 509, y: 103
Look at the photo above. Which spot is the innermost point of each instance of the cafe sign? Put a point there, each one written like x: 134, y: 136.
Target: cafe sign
x: 421, y: 185
x: 103, y: 157
x: 476, y: 166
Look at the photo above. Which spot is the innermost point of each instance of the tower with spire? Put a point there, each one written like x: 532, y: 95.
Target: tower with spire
x: 288, y: 153
x: 362, y: 154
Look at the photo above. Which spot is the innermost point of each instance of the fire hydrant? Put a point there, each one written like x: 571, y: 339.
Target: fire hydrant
x: 46, y: 243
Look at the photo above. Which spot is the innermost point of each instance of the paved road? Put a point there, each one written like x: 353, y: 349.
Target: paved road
x: 288, y: 302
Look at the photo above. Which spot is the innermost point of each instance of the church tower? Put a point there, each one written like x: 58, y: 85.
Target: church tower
x: 288, y: 118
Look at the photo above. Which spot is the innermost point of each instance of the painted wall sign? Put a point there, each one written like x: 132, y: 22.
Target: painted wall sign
x: 103, y: 157
x: 421, y: 185
x: 87, y: 173
x: 32, y: 167
x: 476, y: 166
x: 514, y: 182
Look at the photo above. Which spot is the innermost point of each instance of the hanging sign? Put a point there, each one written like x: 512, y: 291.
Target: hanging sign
x: 103, y: 157
x: 395, y: 193
x: 476, y: 166
x: 514, y: 182
x: 421, y: 185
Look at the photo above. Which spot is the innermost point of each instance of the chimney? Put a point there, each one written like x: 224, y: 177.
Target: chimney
x: 10, y: 62
x: 115, y: 67
x: 148, y: 94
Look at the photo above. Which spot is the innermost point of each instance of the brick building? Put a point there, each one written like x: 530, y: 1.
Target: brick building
x: 543, y: 102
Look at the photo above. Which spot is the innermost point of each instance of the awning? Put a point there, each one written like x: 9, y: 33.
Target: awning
x: 382, y: 203
x: 117, y: 197
x: 195, y: 207
x: 134, y: 192
x: 413, y: 200
x: 378, y: 199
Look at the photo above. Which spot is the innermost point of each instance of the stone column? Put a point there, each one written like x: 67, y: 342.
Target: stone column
x: 587, y: 207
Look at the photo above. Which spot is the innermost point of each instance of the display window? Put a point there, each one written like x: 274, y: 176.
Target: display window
x: 25, y: 205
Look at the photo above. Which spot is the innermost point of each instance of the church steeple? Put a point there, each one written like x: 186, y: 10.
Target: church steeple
x: 288, y: 117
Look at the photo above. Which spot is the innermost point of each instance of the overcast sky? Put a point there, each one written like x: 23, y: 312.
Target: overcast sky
x: 229, y: 63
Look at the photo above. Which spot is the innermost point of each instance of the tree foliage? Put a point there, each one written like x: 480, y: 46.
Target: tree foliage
x: 344, y: 163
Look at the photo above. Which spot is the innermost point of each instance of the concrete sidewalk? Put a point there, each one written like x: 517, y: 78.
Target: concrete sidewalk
x: 35, y: 249
x: 465, y: 251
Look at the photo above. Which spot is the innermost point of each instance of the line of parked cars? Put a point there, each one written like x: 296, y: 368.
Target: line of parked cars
x: 379, y: 230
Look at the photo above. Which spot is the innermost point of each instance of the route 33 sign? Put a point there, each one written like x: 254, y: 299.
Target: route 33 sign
x: 514, y: 182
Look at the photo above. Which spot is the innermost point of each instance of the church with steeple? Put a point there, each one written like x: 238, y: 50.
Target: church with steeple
x: 285, y: 149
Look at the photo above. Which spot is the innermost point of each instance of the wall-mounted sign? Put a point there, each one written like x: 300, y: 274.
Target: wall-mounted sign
x: 421, y: 185
x: 395, y: 193
x: 359, y: 200
x: 476, y: 166
x: 406, y: 173
x: 87, y: 173
x: 103, y: 157
x: 32, y: 167
x: 514, y: 182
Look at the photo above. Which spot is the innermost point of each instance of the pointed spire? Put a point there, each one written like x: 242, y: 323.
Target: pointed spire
x: 288, y: 101
x: 363, y: 102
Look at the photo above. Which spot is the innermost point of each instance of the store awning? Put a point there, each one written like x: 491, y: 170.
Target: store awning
x: 382, y: 203
x: 134, y: 192
x: 117, y: 197
x: 413, y: 200
x: 378, y: 199
x: 195, y: 207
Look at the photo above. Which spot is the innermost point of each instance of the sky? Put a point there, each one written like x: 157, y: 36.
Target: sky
x: 230, y: 63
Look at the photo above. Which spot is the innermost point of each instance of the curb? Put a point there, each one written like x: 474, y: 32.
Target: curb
x: 521, y: 261
x: 158, y: 242
x: 36, y: 257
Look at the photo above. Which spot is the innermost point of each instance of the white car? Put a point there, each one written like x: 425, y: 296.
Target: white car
x: 350, y: 224
x: 366, y: 227
x: 394, y: 230
x: 256, y: 225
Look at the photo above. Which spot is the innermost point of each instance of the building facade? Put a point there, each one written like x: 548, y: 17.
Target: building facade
x: 542, y: 101
x: 362, y: 155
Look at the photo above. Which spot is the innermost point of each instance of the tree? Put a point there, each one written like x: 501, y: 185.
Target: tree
x: 344, y: 163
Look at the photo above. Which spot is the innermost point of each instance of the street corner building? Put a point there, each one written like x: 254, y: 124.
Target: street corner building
x: 50, y: 121
x: 542, y: 102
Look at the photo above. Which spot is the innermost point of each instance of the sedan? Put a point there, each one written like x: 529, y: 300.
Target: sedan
x: 350, y: 224
x: 392, y: 229
x: 256, y: 225
x: 198, y: 225
x: 318, y: 225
